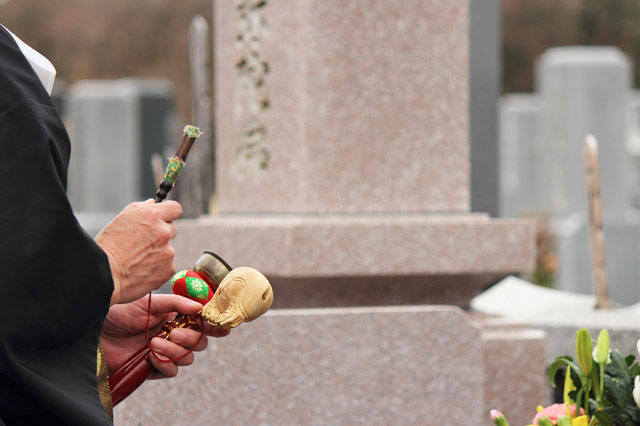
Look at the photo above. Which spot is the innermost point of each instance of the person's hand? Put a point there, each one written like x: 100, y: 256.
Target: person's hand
x: 138, y: 245
x: 123, y: 333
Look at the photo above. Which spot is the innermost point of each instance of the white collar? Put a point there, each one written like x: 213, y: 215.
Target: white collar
x: 43, y: 68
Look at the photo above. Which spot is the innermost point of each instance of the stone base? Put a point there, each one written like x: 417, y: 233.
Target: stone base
x: 351, y: 260
x: 408, y: 365
x: 515, y: 361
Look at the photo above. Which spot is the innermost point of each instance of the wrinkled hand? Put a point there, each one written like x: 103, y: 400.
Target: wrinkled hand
x: 123, y: 333
x: 138, y: 245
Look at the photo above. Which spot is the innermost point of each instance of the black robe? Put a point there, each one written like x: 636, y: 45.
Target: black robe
x: 55, y: 283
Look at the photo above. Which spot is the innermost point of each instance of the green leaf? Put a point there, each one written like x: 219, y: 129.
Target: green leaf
x: 618, y: 367
x: 563, y: 360
x: 618, y: 392
x: 568, y: 387
x: 544, y: 421
x: 604, y: 419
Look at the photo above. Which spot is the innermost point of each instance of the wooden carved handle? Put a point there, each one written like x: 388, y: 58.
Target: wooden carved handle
x: 137, y: 369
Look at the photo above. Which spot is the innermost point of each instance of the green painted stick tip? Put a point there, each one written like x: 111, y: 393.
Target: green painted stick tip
x: 192, y: 131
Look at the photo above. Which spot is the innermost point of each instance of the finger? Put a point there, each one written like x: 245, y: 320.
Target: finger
x: 170, y: 350
x: 189, y: 339
x: 166, y: 303
x: 170, y: 210
x: 173, y: 231
x: 162, y: 369
x: 215, y: 331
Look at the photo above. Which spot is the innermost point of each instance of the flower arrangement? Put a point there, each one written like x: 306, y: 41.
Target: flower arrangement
x: 600, y: 388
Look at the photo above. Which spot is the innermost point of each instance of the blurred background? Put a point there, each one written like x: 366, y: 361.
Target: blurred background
x: 91, y: 39
x: 148, y: 38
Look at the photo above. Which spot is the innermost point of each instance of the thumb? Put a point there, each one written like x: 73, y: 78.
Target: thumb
x: 165, y: 303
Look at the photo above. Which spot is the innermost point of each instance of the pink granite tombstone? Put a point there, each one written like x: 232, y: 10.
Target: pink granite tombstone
x: 364, y: 106
x: 342, y: 147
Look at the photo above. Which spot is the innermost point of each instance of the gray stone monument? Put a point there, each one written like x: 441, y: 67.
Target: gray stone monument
x: 520, y: 156
x: 584, y: 91
x: 485, y: 79
x: 633, y: 145
x: 115, y: 127
x: 581, y: 90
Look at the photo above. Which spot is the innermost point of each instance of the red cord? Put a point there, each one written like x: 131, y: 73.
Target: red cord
x: 146, y: 335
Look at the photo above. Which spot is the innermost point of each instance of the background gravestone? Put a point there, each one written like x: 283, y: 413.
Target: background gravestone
x: 115, y: 127
x: 581, y: 90
x: 584, y: 90
x: 485, y: 78
x: 520, y: 156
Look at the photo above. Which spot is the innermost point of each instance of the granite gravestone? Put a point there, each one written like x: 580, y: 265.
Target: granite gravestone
x: 350, y: 134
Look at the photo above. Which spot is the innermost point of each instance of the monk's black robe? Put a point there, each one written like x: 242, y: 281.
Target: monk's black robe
x: 55, y: 282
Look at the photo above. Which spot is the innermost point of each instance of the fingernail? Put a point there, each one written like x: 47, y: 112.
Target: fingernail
x: 196, y: 305
x: 177, y: 335
x: 158, y: 344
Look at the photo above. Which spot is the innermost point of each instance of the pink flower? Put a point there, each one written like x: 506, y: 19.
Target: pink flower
x: 556, y: 410
x: 494, y: 414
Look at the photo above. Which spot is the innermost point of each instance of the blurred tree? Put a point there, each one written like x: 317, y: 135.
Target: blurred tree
x: 532, y: 26
x: 115, y: 38
x: 111, y: 39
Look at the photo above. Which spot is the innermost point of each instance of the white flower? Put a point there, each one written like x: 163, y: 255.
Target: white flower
x: 636, y: 391
x: 638, y: 346
x: 595, y: 354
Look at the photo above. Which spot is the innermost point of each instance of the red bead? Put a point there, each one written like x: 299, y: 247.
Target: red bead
x: 191, y: 285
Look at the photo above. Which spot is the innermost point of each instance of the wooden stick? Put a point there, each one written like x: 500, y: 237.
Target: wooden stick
x: 176, y: 163
x: 596, y: 234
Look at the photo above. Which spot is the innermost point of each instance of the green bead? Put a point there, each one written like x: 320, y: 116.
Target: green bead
x: 197, y: 288
x: 177, y: 276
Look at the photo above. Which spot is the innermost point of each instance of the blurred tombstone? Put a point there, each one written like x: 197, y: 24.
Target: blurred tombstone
x: 115, y: 127
x: 485, y: 75
x: 633, y: 145
x: 519, y: 157
x: 582, y: 90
